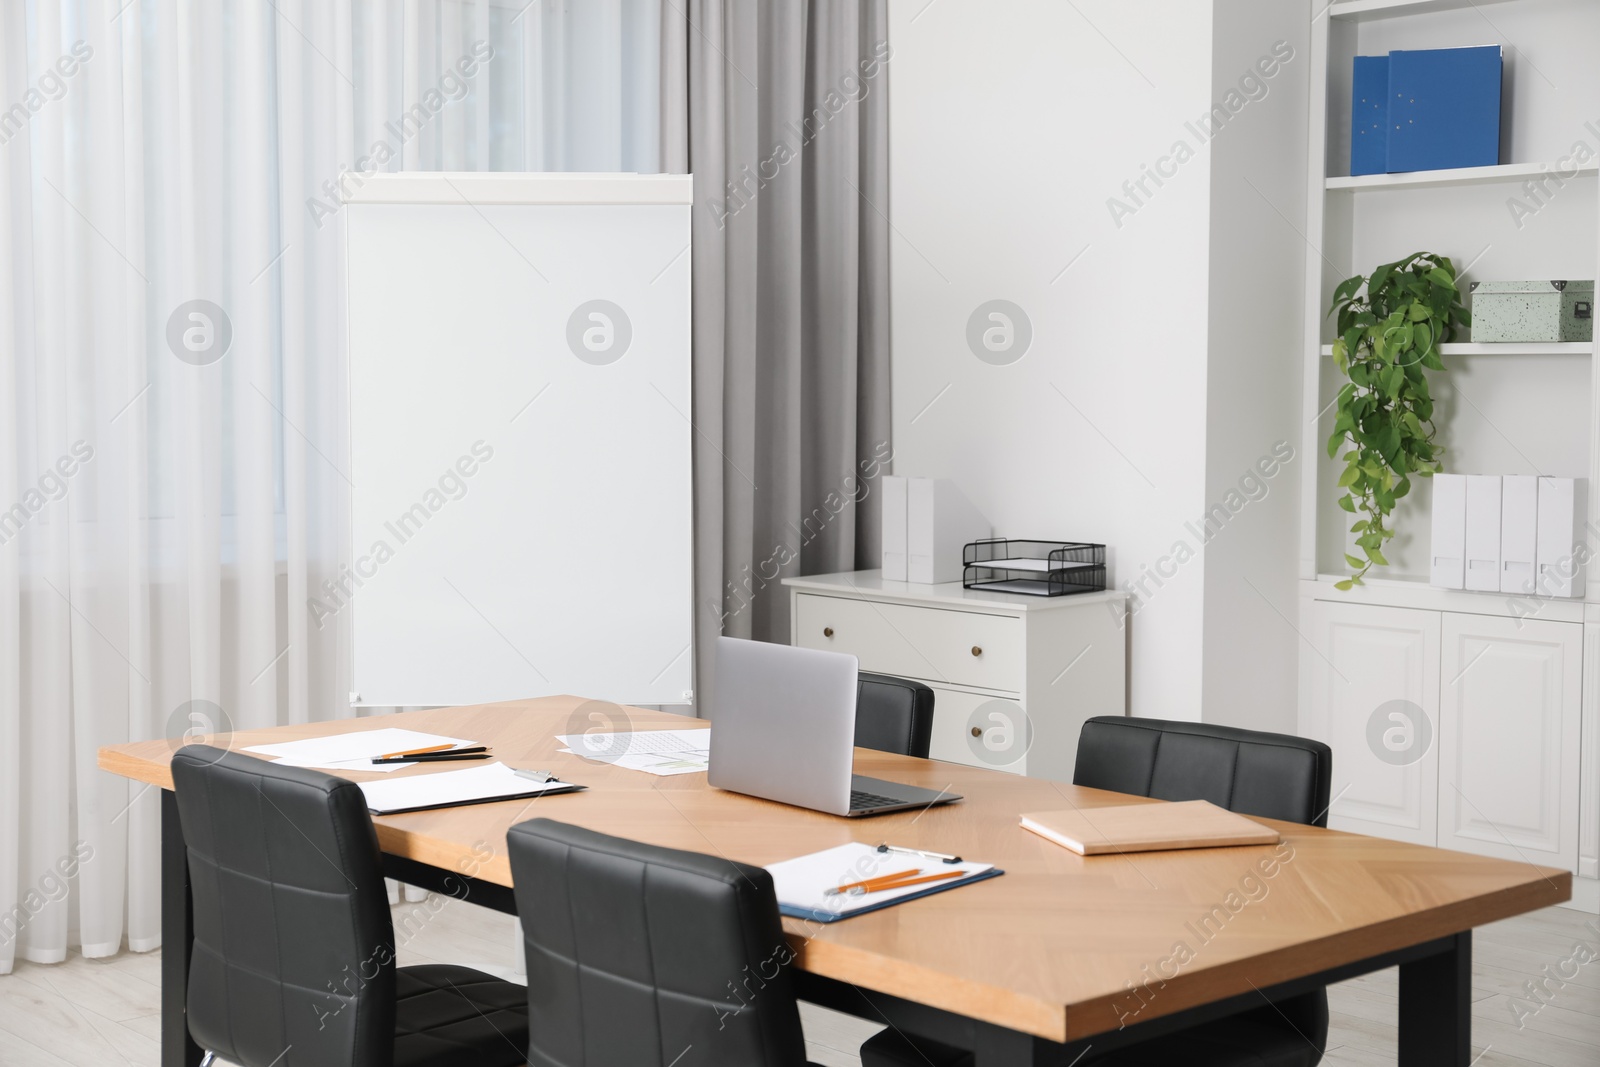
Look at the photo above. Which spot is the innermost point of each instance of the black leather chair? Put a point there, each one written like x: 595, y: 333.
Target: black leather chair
x: 641, y: 956
x: 893, y: 715
x: 293, y: 944
x: 1274, y: 776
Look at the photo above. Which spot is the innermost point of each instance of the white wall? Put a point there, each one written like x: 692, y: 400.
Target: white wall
x: 1019, y: 134
x: 1253, y: 435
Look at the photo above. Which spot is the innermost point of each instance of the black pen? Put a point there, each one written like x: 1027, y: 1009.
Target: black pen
x: 440, y: 757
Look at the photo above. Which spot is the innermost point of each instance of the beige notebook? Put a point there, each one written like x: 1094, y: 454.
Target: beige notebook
x: 1148, y: 828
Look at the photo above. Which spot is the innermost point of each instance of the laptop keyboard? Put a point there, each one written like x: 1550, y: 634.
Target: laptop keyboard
x: 861, y: 800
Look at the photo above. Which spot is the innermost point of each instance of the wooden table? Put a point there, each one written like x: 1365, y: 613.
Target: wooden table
x: 1063, y: 952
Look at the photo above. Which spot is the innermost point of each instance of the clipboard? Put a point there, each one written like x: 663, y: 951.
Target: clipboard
x: 801, y: 882
x: 455, y: 789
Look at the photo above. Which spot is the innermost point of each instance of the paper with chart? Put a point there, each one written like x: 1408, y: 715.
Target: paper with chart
x: 354, y: 751
x: 661, y: 752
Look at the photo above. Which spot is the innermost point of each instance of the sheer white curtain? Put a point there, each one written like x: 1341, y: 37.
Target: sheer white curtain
x: 172, y: 416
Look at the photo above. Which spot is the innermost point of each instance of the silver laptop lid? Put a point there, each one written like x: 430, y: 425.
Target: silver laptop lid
x: 784, y: 722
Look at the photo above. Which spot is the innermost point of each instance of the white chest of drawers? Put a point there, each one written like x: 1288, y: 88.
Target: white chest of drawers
x: 1014, y: 677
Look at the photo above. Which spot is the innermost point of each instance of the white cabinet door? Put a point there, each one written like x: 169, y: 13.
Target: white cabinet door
x: 1002, y: 739
x: 1374, y: 698
x: 1509, y: 738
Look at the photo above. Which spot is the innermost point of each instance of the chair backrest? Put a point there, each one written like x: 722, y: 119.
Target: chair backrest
x: 639, y: 956
x: 293, y: 944
x: 1275, y: 776
x: 893, y: 715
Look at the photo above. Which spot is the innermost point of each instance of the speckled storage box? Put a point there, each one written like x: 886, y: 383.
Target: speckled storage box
x: 1532, y: 311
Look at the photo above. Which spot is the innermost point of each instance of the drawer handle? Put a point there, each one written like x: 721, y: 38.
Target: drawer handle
x: 977, y: 731
x: 827, y: 631
x: 976, y: 651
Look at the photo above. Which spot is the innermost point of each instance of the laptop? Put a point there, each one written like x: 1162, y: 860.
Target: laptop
x: 784, y: 729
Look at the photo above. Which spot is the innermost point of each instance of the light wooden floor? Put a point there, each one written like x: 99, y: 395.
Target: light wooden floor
x: 95, y: 1013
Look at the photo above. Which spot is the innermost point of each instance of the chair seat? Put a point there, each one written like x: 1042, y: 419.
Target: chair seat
x: 458, y: 1017
x: 1263, y: 1037
x: 889, y: 1048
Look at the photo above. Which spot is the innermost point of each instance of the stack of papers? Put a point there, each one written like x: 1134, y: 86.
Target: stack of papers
x: 448, y: 789
x: 354, y: 751
x: 662, y: 752
x: 802, y: 883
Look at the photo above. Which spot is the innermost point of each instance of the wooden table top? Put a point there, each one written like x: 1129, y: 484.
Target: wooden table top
x: 1063, y: 946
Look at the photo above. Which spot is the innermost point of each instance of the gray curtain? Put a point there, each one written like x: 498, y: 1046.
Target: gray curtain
x: 779, y: 109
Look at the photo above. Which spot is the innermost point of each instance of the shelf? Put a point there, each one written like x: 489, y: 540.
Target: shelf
x: 1417, y: 593
x: 1507, y: 348
x: 1367, y: 10
x: 1434, y: 179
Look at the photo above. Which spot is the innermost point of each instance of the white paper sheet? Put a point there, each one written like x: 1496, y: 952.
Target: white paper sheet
x: 1027, y: 563
x: 451, y: 787
x: 354, y: 751
x: 801, y: 882
x: 659, y: 752
x: 1020, y: 563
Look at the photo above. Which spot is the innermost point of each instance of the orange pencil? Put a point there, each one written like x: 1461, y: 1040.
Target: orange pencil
x: 883, y: 886
x: 415, y: 752
x: 866, y: 884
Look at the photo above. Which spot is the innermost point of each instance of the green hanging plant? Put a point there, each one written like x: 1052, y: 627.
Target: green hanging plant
x: 1389, y: 338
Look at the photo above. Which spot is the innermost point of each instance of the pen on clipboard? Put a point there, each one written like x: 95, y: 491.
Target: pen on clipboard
x: 940, y: 856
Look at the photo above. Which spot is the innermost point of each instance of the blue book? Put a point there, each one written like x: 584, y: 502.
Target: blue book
x: 1444, y: 108
x: 1369, y: 116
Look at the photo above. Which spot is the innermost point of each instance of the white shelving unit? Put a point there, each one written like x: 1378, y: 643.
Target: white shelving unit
x: 1507, y: 686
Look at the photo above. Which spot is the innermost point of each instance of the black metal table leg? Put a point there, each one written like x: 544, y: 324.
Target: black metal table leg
x: 1436, y: 1007
x: 177, y: 939
x: 1007, y: 1048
